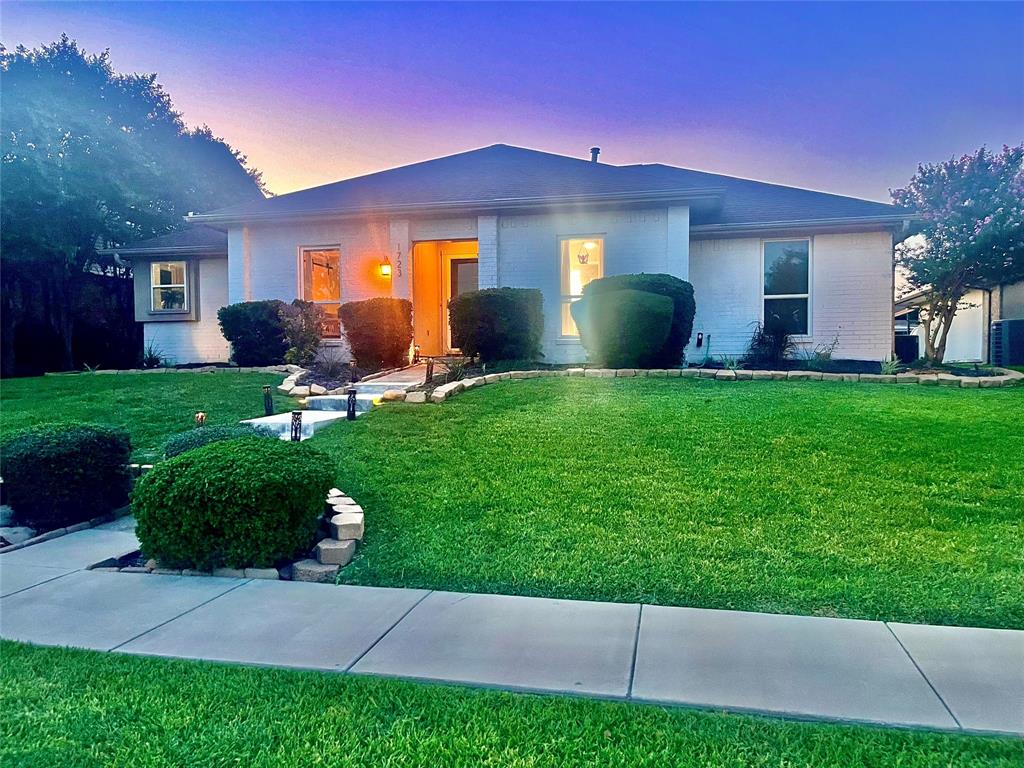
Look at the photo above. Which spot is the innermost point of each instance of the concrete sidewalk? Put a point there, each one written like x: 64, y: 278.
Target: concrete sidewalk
x: 947, y: 678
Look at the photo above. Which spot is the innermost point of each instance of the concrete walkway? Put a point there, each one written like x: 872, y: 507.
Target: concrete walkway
x: 946, y: 678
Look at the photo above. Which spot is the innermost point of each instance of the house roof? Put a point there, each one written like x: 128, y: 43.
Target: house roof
x: 503, y: 177
x: 193, y: 239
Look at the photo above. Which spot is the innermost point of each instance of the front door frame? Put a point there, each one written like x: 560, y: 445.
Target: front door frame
x: 443, y: 282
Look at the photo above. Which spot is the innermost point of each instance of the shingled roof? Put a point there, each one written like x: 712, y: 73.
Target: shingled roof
x: 193, y: 239
x: 503, y: 177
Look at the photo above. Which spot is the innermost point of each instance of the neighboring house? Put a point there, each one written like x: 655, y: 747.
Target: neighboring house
x: 506, y: 216
x: 967, y: 340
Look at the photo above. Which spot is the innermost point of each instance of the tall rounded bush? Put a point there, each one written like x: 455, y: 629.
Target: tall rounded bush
x: 379, y: 331
x: 237, y: 503
x: 683, y: 309
x: 256, y: 331
x: 624, y: 329
x: 498, y: 323
x: 57, y: 475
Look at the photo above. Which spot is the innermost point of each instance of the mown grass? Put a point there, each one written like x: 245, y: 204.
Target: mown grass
x: 868, y: 501
x: 152, y: 406
x: 80, y: 709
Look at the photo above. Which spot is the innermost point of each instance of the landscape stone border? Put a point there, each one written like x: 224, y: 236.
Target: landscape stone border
x: 1004, y: 379
x: 343, y: 524
x: 200, y: 369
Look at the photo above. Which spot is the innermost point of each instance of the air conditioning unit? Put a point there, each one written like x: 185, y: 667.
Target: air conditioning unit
x: 1006, y: 343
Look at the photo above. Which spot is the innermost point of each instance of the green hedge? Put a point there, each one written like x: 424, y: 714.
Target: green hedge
x: 379, y: 331
x: 256, y: 331
x: 238, y: 503
x: 624, y: 329
x: 57, y: 475
x: 200, y: 436
x: 684, y: 307
x: 498, y: 323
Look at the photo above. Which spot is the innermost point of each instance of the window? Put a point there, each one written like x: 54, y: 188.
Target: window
x: 167, y: 281
x: 321, y: 284
x: 787, y: 267
x: 582, y: 261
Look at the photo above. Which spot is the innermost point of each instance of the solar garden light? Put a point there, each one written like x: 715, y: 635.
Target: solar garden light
x: 352, y: 370
x: 430, y: 370
x: 268, y: 401
x: 296, y: 426
x: 351, y: 413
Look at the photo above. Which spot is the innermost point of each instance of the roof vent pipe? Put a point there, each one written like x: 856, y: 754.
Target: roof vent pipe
x: 594, y: 152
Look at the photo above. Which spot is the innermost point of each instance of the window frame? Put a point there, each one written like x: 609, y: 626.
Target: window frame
x: 186, y: 306
x: 300, y: 288
x: 809, y: 239
x: 563, y: 277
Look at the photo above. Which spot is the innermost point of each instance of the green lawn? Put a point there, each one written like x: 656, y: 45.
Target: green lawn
x: 867, y: 501
x: 78, y: 708
x: 153, y: 406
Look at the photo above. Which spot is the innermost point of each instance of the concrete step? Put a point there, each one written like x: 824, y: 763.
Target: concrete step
x: 312, y: 421
x: 364, y: 402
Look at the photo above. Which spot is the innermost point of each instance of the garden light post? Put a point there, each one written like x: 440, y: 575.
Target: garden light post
x: 268, y: 401
x: 351, y: 411
x: 430, y: 370
x: 296, y: 426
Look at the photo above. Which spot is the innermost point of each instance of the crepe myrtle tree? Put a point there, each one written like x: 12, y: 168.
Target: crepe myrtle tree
x: 972, y: 234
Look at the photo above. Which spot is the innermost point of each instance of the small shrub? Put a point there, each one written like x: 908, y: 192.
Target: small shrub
x: 456, y: 368
x: 498, y: 323
x: 200, y: 436
x: 379, y: 331
x: 236, y: 503
x: 255, y: 330
x: 62, y: 474
x: 683, y: 309
x: 890, y: 367
x: 152, y: 356
x: 624, y: 328
x: 303, y: 324
x: 820, y: 358
x: 770, y: 345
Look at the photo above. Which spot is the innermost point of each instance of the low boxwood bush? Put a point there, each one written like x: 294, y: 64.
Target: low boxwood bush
x: 200, y: 436
x: 57, y: 475
x: 624, y: 328
x: 379, y: 331
x: 256, y: 331
x: 498, y: 323
x: 683, y: 309
x: 236, y: 503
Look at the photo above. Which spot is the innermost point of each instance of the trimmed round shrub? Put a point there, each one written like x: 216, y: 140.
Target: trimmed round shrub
x: 498, y: 323
x: 200, y: 436
x: 256, y: 331
x: 236, y: 503
x: 683, y: 304
x: 379, y: 331
x: 57, y: 475
x: 624, y: 329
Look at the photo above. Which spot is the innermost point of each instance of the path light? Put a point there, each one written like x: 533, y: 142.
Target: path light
x: 352, y: 371
x: 415, y: 353
x: 430, y: 370
x: 200, y: 419
x: 296, y: 426
x: 268, y: 401
x: 351, y: 414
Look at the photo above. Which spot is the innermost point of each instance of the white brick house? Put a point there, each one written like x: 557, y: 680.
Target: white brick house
x: 506, y: 216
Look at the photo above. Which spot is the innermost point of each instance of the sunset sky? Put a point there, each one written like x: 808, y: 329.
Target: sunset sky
x: 846, y: 98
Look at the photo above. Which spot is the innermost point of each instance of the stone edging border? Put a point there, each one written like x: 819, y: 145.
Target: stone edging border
x: 443, y: 392
x: 201, y: 369
x: 58, y: 532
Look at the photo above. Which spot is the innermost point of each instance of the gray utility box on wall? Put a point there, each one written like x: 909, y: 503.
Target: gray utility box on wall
x: 1006, y: 343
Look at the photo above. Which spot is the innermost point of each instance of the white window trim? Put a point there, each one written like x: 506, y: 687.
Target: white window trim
x: 153, y: 286
x: 799, y: 337
x: 563, y: 278
x: 300, y: 288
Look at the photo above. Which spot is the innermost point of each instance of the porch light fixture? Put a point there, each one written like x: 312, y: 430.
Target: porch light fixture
x: 385, y: 268
x: 584, y: 255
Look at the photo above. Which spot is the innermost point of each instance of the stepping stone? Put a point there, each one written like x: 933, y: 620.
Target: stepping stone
x: 347, y: 525
x: 517, y: 642
x: 101, y: 610
x: 312, y: 570
x: 332, y: 552
x: 352, y: 508
x: 842, y: 669
x: 282, y: 623
x: 979, y: 673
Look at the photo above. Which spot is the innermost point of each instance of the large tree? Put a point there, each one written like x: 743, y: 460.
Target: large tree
x: 90, y: 158
x: 973, y: 234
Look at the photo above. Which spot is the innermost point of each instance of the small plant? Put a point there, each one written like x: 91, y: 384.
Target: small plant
x: 770, y: 345
x: 891, y: 367
x: 729, y: 362
x: 456, y: 368
x: 303, y: 323
x: 330, y: 364
x: 152, y: 355
x: 820, y: 358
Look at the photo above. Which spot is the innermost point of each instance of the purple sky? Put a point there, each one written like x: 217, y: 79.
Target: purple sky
x: 846, y: 98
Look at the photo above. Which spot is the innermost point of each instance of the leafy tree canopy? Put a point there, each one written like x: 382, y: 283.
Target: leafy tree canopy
x: 972, y: 220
